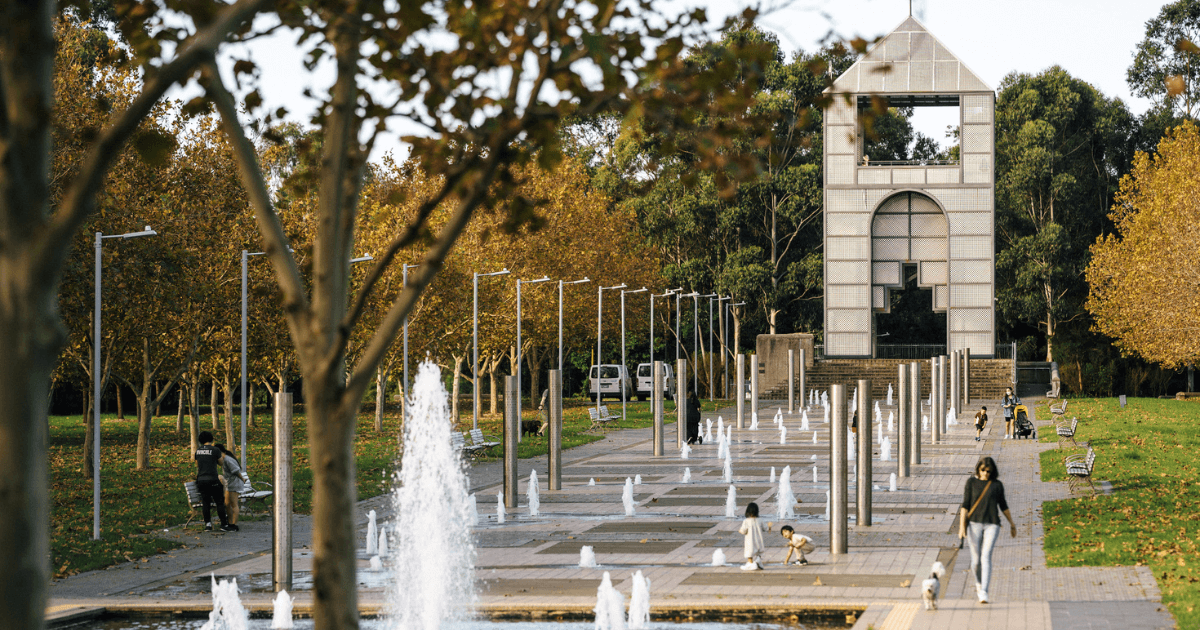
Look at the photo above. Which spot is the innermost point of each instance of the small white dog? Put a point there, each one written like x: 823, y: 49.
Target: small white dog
x: 932, y: 587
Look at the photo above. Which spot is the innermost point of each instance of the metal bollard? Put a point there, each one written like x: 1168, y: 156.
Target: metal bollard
x: 753, y: 359
x: 966, y: 377
x: 657, y: 398
x: 944, y: 394
x: 935, y: 420
x: 791, y: 380
x: 803, y: 379
x: 512, y: 428
x: 681, y: 391
x: 555, y: 418
x: 902, y: 426
x: 740, y: 390
x: 865, y: 439
x: 838, y: 530
x: 955, y: 383
x: 914, y: 413
x: 281, y: 531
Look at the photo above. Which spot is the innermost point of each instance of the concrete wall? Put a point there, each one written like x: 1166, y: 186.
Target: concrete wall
x: 772, y: 351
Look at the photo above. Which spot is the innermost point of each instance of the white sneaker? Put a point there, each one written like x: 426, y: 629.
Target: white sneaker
x: 983, y: 597
x: 758, y: 563
x: 750, y: 566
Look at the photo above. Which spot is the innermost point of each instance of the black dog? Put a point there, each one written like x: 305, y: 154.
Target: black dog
x: 532, y: 427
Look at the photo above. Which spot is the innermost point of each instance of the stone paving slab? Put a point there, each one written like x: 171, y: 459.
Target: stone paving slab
x: 530, y: 563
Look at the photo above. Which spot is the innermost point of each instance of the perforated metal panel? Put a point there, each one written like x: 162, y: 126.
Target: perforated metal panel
x: 878, y: 298
x: 922, y: 46
x: 945, y: 76
x: 847, y: 344
x: 920, y: 76
x: 870, y: 78
x: 839, y: 169
x: 970, y: 319
x: 889, y: 248
x: 840, y: 140
x: 942, y: 174
x: 894, y: 205
x: 890, y: 225
x: 928, y: 249
x: 977, y: 109
x: 971, y: 271
x: 941, y: 298
x: 971, y: 247
x: 929, y: 225
x: 981, y: 344
x: 977, y: 169
x: 977, y: 138
x: 971, y: 223
x: 846, y: 320
x: 908, y: 176
x: 842, y: 272
x: 940, y: 53
x: 848, y: 248
x: 970, y: 295
x: 897, y: 79
x: 841, y: 113
x: 896, y: 49
x: 846, y: 296
x: 931, y: 273
x: 846, y: 225
x: 874, y: 175
x: 886, y: 274
x: 924, y: 205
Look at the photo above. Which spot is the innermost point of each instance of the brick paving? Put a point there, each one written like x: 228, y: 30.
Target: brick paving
x: 531, y: 563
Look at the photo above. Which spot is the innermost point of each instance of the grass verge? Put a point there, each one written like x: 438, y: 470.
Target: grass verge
x: 1152, y: 518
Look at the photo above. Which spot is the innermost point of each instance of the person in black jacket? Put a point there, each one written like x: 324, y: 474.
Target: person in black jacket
x: 208, y: 467
x: 693, y: 419
x: 979, y: 520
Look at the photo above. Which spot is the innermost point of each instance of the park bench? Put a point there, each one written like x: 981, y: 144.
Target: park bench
x: 1067, y: 431
x: 1059, y: 409
x: 249, y: 499
x: 600, y: 417
x: 1079, y: 469
x: 481, y: 442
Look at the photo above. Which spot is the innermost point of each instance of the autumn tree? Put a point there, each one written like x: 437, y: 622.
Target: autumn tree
x: 1145, y: 279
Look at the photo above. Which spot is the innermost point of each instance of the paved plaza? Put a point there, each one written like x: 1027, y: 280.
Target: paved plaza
x: 529, y: 565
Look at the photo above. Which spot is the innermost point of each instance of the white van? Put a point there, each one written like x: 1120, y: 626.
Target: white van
x: 611, y: 379
x: 645, y: 378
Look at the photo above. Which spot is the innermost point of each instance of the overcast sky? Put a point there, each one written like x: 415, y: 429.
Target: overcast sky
x: 1093, y: 39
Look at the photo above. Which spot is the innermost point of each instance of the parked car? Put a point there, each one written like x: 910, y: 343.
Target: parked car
x: 610, y: 380
x: 645, y: 376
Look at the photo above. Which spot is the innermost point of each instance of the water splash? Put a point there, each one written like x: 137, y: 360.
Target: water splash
x: 627, y: 497
x: 892, y: 483
x: 782, y: 433
x: 731, y: 502
x: 772, y: 480
x: 891, y: 422
x: 851, y: 448
x: 228, y: 612
x: 473, y: 510
x: 708, y: 432
x: 591, y: 481
x: 885, y: 449
x: 372, y: 534
x: 383, y: 541
x: 878, y: 413
x: 500, y: 511
x: 924, y: 423
x: 637, y: 480
x: 814, y: 437
x: 804, y: 420
x: 685, y: 451
x: 610, y: 606
x: 639, y: 603
x: 879, y: 436
x: 587, y: 557
x: 281, y: 616
x: 718, y: 559
x: 786, y: 499
x: 814, y: 474
x: 728, y: 470
x: 720, y: 425
x: 951, y: 417
x: 687, y: 475
x: 889, y: 397
x: 375, y: 563
x: 854, y: 401
x: 826, y: 413
x: 435, y: 555
x: 826, y: 505
x: 753, y: 420
x: 531, y: 494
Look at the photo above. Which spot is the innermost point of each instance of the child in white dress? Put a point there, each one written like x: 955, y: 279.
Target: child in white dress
x: 754, y: 539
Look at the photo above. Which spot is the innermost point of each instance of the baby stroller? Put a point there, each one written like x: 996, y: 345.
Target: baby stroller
x: 1022, y: 427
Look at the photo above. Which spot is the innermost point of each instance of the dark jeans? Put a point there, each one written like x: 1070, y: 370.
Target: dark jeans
x: 214, y: 492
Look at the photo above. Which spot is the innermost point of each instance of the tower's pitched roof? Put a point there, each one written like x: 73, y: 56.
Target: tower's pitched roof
x: 909, y: 59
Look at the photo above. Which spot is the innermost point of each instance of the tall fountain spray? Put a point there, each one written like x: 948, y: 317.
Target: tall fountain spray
x: 639, y: 603
x: 228, y: 612
x: 951, y: 417
x: 281, y: 615
x: 372, y: 534
x: 637, y: 480
x: 891, y: 421
x: 708, y: 432
x: 687, y: 475
x: 728, y: 471
x: 850, y: 445
x: 685, y: 451
x: 610, y: 606
x: 383, y: 541
x: 472, y: 511
x: 787, y: 500
x: 814, y: 474
x: 892, y: 483
x: 772, y: 479
x: 500, y: 511
x: 753, y: 420
x: 782, y: 433
x: 718, y: 559
x: 878, y: 413
x: 720, y: 424
x: 587, y: 557
x: 592, y: 481
x: 889, y: 398
x: 627, y: 497
x: 827, y: 505
x: 532, y: 495
x: 435, y: 558
x: 731, y: 502
x: 804, y: 420
x: 885, y: 449
x: 814, y: 437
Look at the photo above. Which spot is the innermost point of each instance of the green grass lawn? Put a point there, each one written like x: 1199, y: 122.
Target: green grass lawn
x: 134, y: 504
x: 1148, y: 451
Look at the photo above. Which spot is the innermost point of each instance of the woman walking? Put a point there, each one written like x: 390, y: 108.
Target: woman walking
x: 979, y: 521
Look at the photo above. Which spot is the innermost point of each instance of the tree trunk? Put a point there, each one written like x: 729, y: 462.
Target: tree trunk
x: 458, y: 359
x: 120, y: 405
x: 145, y: 413
x: 250, y: 403
x: 216, y: 411
x: 381, y: 382
x: 194, y: 416
x: 534, y: 362
x: 230, y: 436
x: 492, y: 402
x: 179, y: 413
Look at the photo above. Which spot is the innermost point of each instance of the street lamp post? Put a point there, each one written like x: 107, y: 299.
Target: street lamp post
x: 669, y: 293
x: 404, y: 285
x: 712, y: 390
x: 560, y: 318
x: 96, y: 378
x: 475, y: 343
x: 623, y: 395
x: 520, y: 354
x: 599, y: 336
x: 728, y: 333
